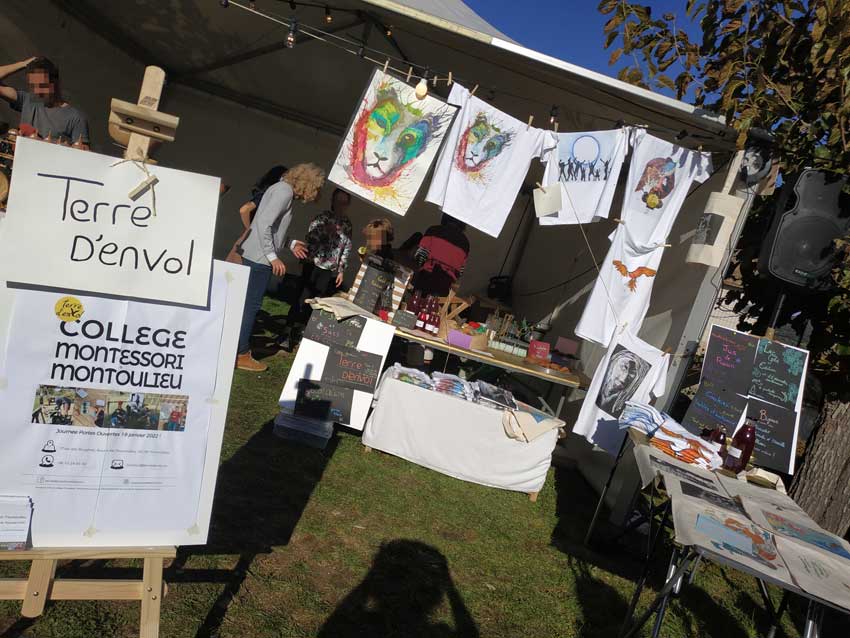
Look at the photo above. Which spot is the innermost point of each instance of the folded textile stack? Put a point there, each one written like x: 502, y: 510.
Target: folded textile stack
x: 410, y: 375
x: 454, y: 385
x: 495, y: 397
x: 669, y: 437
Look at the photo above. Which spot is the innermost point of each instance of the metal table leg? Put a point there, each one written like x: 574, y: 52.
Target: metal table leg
x: 660, y: 602
x: 607, y: 485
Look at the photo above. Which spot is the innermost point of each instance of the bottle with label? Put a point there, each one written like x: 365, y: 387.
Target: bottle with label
x: 435, y: 318
x: 741, y: 448
x: 422, y: 314
x: 429, y: 315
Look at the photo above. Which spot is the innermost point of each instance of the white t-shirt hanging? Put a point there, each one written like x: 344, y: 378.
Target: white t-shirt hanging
x: 483, y: 163
x: 627, y: 275
x: 631, y: 370
x: 587, y: 167
x: 660, y: 176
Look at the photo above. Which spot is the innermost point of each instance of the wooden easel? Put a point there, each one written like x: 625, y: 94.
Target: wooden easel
x: 42, y: 584
x: 135, y: 126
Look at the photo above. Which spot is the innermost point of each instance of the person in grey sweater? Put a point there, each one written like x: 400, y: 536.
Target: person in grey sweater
x: 262, y: 249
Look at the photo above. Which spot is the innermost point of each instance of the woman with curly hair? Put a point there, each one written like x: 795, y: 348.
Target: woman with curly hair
x: 266, y: 241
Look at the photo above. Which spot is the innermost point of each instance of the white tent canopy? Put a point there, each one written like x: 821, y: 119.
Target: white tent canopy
x: 247, y: 102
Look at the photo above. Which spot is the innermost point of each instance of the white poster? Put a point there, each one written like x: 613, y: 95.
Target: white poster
x: 113, y: 413
x: 91, y: 237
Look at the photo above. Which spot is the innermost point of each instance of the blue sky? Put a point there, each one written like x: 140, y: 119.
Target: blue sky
x: 568, y: 29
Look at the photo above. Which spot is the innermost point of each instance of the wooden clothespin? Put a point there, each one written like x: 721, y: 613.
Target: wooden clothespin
x: 540, y: 186
x: 474, y: 89
x: 434, y: 81
x: 409, y: 73
x: 386, y: 65
x: 667, y: 245
x: 530, y: 120
x: 451, y: 81
x: 668, y: 350
x: 556, y: 127
x: 618, y: 220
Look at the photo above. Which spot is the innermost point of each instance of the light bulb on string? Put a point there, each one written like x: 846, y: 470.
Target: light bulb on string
x: 553, y: 115
x: 389, y: 31
x: 224, y: 3
x: 421, y: 89
x: 293, y: 33
x: 328, y: 17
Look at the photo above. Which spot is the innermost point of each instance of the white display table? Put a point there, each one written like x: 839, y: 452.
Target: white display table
x: 456, y: 437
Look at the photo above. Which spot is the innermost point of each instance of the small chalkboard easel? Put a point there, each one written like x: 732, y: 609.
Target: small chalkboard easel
x: 135, y: 126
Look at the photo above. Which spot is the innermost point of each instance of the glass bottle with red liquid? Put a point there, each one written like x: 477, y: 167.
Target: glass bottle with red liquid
x: 741, y: 448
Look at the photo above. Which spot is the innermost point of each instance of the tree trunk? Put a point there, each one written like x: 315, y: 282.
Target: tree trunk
x: 822, y: 486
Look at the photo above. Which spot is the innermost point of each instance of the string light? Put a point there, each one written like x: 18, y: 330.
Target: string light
x: 224, y: 3
x: 389, y: 31
x: 328, y: 17
x: 293, y: 33
x: 553, y: 114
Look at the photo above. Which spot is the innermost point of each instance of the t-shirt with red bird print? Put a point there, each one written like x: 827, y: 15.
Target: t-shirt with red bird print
x: 660, y: 177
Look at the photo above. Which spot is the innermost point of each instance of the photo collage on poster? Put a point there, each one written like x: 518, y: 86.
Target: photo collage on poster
x: 91, y: 407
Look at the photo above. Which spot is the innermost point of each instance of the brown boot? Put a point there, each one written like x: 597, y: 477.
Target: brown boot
x: 247, y: 362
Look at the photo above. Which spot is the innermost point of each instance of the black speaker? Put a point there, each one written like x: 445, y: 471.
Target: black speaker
x: 811, y: 213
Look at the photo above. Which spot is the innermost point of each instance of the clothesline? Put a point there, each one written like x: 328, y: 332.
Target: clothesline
x: 406, y: 69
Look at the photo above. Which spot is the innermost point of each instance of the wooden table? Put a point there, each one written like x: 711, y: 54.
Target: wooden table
x: 506, y: 362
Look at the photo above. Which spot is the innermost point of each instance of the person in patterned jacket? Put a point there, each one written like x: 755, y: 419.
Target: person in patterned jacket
x: 324, y: 257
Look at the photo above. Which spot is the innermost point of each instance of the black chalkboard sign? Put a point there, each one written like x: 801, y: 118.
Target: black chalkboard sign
x: 373, y: 286
x: 349, y: 368
x: 324, y: 401
x: 712, y: 407
x: 729, y: 359
x: 775, y: 439
x: 778, y: 373
x: 324, y: 328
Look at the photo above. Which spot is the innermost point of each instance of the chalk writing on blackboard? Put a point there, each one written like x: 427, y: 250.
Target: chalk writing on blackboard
x: 324, y: 328
x: 376, y: 283
x: 353, y: 369
x: 324, y: 401
x: 712, y: 407
x: 778, y: 373
x: 775, y: 436
x: 729, y: 359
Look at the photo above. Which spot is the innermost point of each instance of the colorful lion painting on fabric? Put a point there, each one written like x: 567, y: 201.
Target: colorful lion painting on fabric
x: 480, y: 144
x: 657, y: 181
x: 391, y: 143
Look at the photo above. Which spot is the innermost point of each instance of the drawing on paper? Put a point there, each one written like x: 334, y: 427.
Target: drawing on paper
x: 623, y: 376
x: 391, y: 143
x: 729, y: 535
x: 657, y: 181
x: 632, y: 275
x: 787, y: 527
x: 482, y: 142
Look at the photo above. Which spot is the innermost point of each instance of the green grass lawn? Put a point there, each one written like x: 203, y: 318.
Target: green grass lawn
x: 342, y: 543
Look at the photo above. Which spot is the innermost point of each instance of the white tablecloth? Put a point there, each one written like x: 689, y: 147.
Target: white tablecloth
x: 455, y: 437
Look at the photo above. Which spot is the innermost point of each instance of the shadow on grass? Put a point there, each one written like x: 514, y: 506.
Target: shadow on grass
x: 261, y: 493
x: 405, y: 585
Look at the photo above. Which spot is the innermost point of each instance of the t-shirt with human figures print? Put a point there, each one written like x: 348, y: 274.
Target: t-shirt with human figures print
x: 660, y: 177
x: 631, y: 370
x: 483, y: 163
x: 586, y: 166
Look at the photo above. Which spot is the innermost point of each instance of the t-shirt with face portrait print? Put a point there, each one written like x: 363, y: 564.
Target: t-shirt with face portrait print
x: 631, y: 370
x: 483, y: 163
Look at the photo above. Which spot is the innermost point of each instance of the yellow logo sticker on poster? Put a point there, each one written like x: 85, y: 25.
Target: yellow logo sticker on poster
x: 69, y: 309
